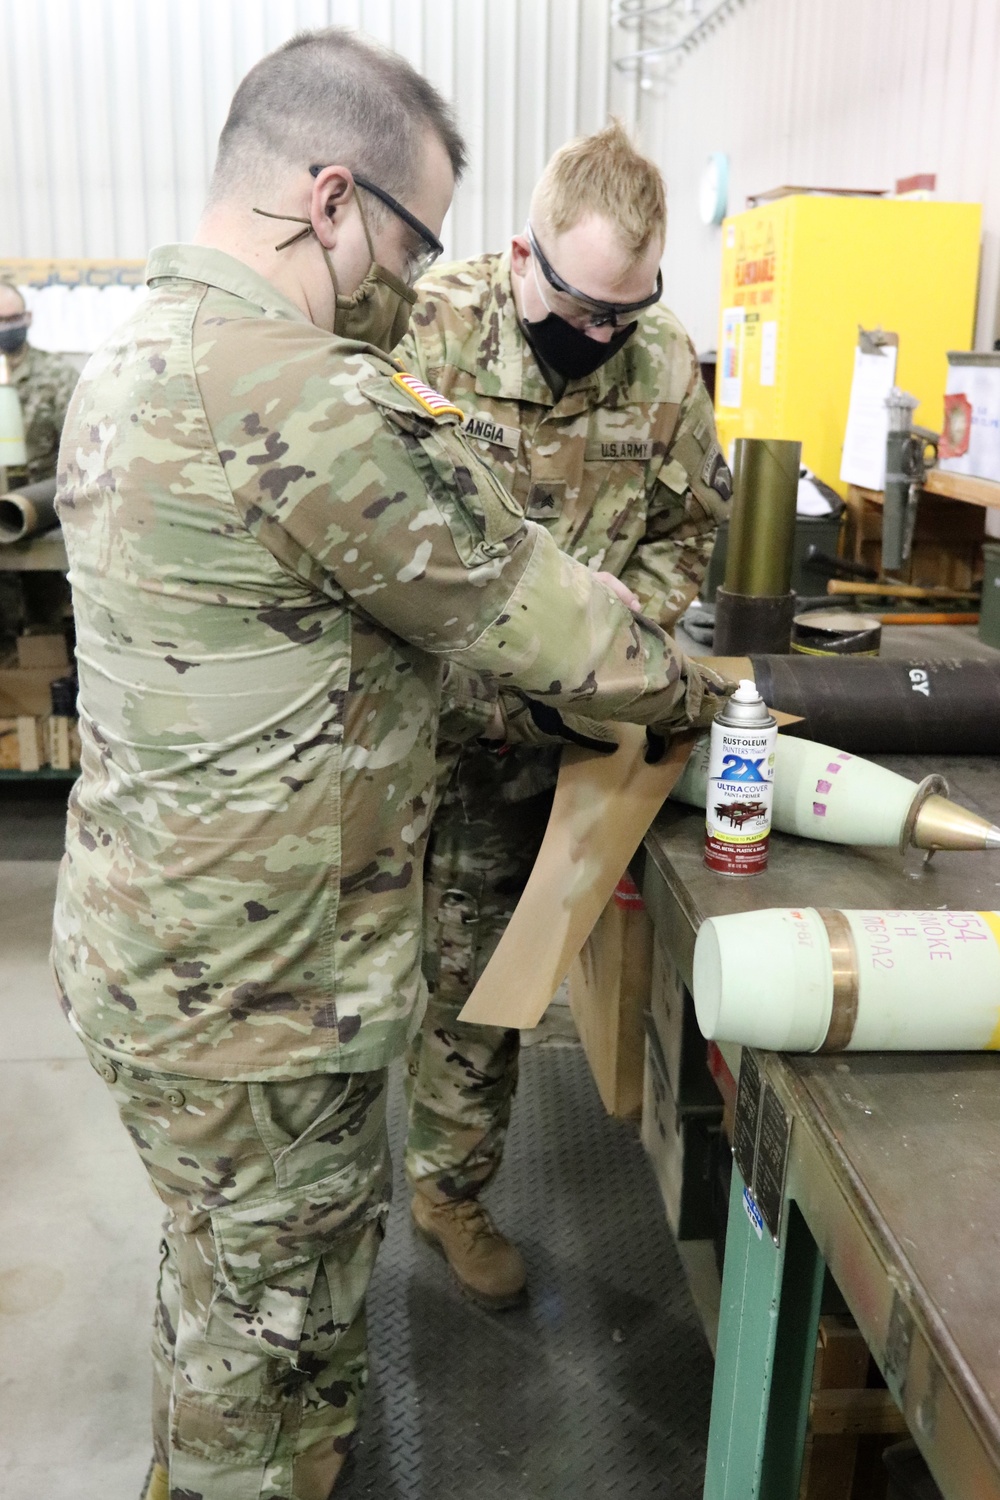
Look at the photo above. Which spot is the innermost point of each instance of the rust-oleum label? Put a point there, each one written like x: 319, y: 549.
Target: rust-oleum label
x: 740, y: 789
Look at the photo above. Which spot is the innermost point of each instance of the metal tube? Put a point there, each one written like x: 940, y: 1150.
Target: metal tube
x: 746, y: 622
x: 28, y: 511
x: 762, y: 521
x: 875, y: 705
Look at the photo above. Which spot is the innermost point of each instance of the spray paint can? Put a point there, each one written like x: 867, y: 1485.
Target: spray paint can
x: 740, y: 785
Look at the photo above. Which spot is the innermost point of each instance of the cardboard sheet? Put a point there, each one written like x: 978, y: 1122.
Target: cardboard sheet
x: 602, y: 808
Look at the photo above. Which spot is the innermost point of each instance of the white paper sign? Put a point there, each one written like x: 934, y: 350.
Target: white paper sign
x: 768, y: 351
x: 863, y: 461
x: 731, y: 388
x: 980, y: 384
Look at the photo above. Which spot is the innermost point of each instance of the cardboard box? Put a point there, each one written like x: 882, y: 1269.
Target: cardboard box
x: 683, y: 1048
x: 10, y: 750
x: 42, y: 651
x: 63, y: 740
x: 970, y: 442
x: 31, y: 743
x: 683, y: 1149
x: 25, y: 690
x: 608, y: 996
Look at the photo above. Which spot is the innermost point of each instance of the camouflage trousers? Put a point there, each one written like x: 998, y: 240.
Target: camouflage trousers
x: 276, y: 1195
x: 461, y: 1079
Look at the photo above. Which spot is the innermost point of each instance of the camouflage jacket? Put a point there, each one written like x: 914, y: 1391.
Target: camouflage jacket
x: 624, y: 470
x: 44, y: 383
x: 274, y: 542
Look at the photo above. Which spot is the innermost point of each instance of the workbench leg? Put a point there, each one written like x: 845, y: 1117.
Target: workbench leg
x: 768, y: 1324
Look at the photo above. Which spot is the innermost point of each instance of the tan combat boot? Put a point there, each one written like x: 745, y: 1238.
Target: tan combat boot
x: 157, y: 1483
x: 486, y: 1264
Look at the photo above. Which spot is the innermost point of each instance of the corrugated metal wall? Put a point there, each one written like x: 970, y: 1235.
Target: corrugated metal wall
x: 832, y: 93
x: 110, y: 109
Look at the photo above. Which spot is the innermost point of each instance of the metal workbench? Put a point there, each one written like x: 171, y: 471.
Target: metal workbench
x: 892, y: 1184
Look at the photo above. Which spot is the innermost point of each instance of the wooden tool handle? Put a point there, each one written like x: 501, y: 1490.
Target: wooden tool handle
x: 895, y: 590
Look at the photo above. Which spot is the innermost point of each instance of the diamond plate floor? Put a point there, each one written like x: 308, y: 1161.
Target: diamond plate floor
x: 600, y: 1386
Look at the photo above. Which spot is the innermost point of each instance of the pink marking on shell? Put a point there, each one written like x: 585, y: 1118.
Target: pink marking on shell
x: 824, y: 786
x: 819, y: 808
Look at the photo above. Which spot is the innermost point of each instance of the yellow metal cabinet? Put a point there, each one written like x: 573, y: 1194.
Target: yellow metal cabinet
x: 798, y: 277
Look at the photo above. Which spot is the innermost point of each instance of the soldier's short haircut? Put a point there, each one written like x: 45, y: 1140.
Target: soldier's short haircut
x: 332, y: 98
x: 9, y: 286
x: 603, y: 174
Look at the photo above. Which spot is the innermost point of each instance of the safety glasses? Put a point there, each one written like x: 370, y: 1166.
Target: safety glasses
x: 417, y: 261
x: 597, y: 314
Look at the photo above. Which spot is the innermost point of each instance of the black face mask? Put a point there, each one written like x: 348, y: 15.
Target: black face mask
x: 12, y: 340
x: 568, y: 350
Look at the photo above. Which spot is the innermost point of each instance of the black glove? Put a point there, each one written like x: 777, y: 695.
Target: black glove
x: 656, y: 747
x: 579, y: 731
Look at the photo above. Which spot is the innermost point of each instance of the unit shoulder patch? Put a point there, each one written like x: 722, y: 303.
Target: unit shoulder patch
x: 716, y: 474
x: 430, y: 399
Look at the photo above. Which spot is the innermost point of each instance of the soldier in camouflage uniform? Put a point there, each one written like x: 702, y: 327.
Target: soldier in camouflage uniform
x: 605, y: 435
x: 276, y: 538
x: 44, y: 383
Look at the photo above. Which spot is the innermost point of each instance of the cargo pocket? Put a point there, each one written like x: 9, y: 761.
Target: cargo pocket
x: 293, y: 1271
x: 457, y: 940
x: 209, y: 1434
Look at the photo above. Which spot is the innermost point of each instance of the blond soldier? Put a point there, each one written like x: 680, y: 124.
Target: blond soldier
x: 44, y: 383
x: 582, y: 393
x: 276, y: 539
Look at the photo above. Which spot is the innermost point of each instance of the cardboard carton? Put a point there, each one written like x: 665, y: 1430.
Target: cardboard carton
x: 608, y: 993
x: 10, y: 750
x: 42, y: 651
x: 25, y: 690
x: 30, y: 742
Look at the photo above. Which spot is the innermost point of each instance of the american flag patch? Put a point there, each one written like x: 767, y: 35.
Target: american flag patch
x: 429, y: 398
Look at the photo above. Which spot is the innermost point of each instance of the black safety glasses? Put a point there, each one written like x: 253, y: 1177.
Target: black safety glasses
x: 418, y: 261
x: 598, y: 314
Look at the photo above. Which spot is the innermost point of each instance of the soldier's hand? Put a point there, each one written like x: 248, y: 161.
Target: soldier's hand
x: 621, y: 590
x: 525, y: 721
x: 656, y: 747
x: 496, y: 729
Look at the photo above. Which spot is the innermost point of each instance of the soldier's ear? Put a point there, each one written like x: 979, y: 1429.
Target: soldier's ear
x: 331, y: 192
x: 520, y: 254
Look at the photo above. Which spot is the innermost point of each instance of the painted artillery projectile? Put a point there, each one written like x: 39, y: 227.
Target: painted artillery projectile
x: 862, y: 981
x: 880, y: 706
x: 823, y: 793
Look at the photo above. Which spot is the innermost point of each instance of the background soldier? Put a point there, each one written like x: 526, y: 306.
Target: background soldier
x: 582, y: 392
x: 275, y: 540
x: 44, y: 383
